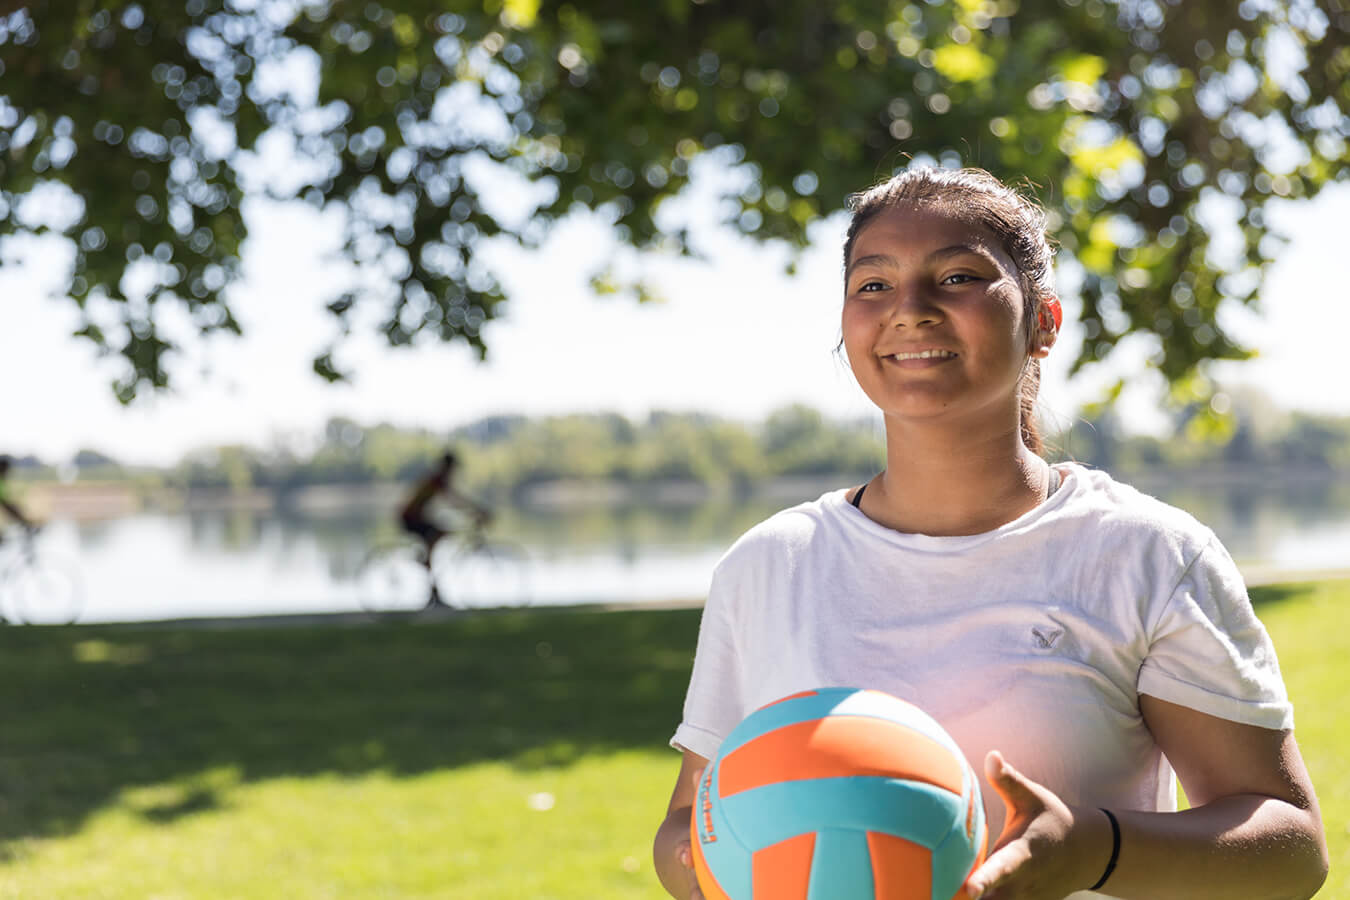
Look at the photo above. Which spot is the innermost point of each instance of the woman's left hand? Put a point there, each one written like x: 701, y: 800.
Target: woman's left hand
x: 1047, y: 850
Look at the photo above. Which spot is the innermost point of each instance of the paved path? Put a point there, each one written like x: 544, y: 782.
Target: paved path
x: 1255, y: 576
x: 1260, y: 576
x: 417, y: 617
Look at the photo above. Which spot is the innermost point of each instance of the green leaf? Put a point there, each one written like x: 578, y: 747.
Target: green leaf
x: 520, y: 13
x: 963, y: 62
x: 1083, y: 68
x: 325, y: 369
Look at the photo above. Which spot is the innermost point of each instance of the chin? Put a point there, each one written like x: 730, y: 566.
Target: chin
x: 912, y: 403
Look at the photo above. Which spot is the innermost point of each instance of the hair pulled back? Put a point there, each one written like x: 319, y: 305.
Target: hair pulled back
x: 1018, y: 222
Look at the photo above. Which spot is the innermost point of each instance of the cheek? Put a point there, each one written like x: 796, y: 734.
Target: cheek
x: 1010, y: 320
x: 860, y: 316
x: 857, y: 327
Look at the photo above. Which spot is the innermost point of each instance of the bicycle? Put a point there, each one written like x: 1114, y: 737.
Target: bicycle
x: 467, y: 570
x: 37, y: 587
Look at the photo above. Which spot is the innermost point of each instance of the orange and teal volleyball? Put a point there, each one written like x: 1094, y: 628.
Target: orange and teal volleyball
x: 837, y: 794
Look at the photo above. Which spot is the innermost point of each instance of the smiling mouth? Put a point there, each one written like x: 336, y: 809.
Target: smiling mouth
x: 921, y: 354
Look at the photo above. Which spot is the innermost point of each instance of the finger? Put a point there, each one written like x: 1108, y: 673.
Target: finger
x: 1000, y: 864
x: 1011, y: 785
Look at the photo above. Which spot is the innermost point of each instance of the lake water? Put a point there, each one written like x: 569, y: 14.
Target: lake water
x: 238, y: 563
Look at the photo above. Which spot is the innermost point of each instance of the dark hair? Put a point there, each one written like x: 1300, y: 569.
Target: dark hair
x: 449, y: 459
x: 979, y: 198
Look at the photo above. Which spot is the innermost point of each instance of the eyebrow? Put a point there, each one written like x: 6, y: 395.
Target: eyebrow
x: 944, y: 253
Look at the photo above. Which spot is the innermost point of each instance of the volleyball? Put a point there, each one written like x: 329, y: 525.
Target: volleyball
x: 837, y: 794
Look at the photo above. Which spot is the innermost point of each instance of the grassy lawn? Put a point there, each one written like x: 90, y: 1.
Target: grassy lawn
x: 1308, y: 623
x: 498, y: 756
x: 517, y: 756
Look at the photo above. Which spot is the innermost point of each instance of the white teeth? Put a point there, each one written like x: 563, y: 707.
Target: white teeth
x: 925, y: 354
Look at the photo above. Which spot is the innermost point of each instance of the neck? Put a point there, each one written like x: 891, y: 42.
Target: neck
x: 948, y: 481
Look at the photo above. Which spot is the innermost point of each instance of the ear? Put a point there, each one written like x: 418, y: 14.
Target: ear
x: 1051, y: 304
x: 1049, y: 316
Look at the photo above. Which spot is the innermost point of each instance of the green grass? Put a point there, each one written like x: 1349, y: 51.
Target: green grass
x: 1310, y: 624
x: 497, y: 756
x: 518, y: 756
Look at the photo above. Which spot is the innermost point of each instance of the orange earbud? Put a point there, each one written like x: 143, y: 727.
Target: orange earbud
x: 1052, y: 321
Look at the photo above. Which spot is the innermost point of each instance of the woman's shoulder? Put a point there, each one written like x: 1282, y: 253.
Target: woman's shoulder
x: 1126, y: 509
x: 788, y: 531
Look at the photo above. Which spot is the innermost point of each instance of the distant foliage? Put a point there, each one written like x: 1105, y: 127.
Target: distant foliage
x: 505, y: 456
x: 146, y: 120
x: 1295, y: 442
x: 726, y: 456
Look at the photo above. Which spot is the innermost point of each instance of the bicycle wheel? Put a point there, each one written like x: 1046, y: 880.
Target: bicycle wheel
x: 493, y: 573
x: 46, y: 591
x: 393, y: 579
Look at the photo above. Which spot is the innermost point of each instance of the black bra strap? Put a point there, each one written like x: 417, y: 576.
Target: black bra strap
x: 1055, y: 480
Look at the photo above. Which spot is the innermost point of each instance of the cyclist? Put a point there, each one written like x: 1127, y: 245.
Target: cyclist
x: 439, y: 482
x: 8, y: 505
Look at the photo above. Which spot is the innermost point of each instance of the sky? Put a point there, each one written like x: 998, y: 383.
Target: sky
x: 734, y: 336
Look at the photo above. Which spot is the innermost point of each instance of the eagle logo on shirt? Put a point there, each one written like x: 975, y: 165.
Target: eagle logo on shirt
x: 1046, y: 638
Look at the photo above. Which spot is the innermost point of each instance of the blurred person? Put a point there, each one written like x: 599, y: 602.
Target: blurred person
x: 415, y: 515
x: 6, y: 503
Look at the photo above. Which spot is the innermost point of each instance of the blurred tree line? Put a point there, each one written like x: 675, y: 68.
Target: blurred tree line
x: 1251, y: 431
x: 505, y: 456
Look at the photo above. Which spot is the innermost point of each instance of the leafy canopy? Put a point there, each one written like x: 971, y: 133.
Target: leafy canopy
x: 1122, y: 115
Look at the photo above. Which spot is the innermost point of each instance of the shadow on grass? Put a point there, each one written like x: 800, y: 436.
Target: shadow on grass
x: 194, y: 801
x: 86, y: 712
x: 1272, y: 594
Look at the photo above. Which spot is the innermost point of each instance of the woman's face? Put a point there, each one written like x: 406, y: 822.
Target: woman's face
x: 934, y: 319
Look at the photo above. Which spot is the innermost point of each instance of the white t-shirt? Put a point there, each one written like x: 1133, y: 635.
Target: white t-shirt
x: 1035, y: 639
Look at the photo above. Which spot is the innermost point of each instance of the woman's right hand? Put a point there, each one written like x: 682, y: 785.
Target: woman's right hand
x: 680, y: 877
x: 685, y: 854
x: 673, y: 852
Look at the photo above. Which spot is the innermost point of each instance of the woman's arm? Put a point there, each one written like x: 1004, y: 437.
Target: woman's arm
x: 1254, y: 829
x: 670, y: 850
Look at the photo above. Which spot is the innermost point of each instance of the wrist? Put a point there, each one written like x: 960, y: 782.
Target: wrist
x: 1094, y: 847
x: 1115, y: 850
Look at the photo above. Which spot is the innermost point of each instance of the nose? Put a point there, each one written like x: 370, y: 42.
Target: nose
x: 914, y: 308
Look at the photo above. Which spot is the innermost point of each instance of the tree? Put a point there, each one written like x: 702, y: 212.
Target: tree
x: 90, y: 460
x: 1123, y: 114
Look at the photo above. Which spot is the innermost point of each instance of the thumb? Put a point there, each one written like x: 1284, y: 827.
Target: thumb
x: 1012, y: 786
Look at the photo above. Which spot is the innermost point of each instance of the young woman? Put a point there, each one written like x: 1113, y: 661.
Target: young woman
x: 1084, y: 643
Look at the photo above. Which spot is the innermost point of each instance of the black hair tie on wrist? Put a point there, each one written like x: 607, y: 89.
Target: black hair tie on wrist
x: 1115, y: 850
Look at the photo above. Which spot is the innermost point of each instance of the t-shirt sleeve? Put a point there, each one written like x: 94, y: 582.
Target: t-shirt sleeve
x: 712, y: 706
x: 1210, y: 652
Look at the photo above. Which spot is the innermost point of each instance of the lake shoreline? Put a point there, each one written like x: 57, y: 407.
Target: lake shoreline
x: 110, y: 499
x: 1255, y: 577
